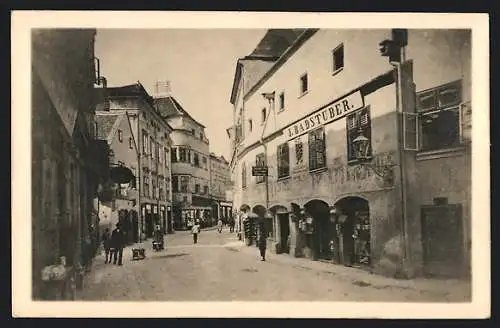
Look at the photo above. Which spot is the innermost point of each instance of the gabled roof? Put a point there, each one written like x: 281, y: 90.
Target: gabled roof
x: 131, y: 90
x: 270, y: 48
x: 169, y: 106
x: 105, y: 125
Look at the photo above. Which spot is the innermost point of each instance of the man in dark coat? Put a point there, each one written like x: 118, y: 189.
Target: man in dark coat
x: 117, y: 243
x: 262, y: 243
x: 106, y: 241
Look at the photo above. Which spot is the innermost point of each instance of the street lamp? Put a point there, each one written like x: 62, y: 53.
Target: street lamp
x: 361, y: 152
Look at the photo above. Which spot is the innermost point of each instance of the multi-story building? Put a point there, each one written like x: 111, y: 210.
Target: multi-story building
x: 65, y: 174
x: 190, y: 163
x: 114, y: 127
x: 368, y: 159
x: 151, y: 137
x: 219, y: 183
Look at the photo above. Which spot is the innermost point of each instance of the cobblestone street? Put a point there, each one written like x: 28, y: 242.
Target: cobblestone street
x: 220, y: 268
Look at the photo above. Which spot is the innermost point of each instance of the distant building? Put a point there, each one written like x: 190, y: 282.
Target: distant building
x: 114, y: 127
x: 190, y: 164
x: 347, y: 181
x: 150, y: 138
x: 220, y: 181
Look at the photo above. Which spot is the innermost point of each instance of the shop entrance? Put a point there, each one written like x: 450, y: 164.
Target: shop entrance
x: 323, y: 229
x: 284, y: 223
x: 353, y: 225
x: 149, y: 225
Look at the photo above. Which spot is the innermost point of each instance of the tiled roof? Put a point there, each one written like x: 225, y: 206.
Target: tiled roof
x: 131, y: 90
x: 169, y: 106
x: 105, y: 125
x: 275, y: 42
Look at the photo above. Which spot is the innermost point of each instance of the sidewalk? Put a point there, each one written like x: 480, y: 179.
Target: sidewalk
x: 452, y: 289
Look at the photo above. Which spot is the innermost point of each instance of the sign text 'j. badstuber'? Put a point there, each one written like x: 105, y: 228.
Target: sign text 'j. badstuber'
x: 330, y: 113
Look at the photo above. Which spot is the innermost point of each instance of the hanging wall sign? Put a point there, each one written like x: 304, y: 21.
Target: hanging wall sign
x: 327, y: 114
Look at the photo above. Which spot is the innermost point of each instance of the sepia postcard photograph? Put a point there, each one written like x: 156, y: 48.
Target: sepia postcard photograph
x: 238, y: 164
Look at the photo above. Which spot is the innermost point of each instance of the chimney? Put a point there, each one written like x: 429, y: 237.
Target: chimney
x: 163, y: 89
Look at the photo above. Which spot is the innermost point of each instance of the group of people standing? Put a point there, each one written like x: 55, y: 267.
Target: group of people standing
x: 114, y: 243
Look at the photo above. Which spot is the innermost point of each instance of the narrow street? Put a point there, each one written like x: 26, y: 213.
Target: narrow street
x: 220, y: 268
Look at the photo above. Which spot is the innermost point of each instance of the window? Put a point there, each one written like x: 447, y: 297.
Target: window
x: 317, y: 155
x: 182, y: 155
x: 304, y: 87
x: 196, y: 160
x: 243, y: 175
x: 250, y: 125
x: 439, y: 113
x: 201, y: 135
x: 299, y: 151
x: 205, y: 190
x: 161, y: 196
x: 263, y: 115
x: 154, y: 189
x: 205, y: 166
x: 145, y: 140
x: 260, y: 161
x: 197, y: 188
x: 359, y: 124
x: 120, y: 135
x: 165, y: 152
x: 188, y: 151
x: 146, y: 186
x: 282, y: 101
x: 184, y: 183
x: 175, y: 183
x: 338, y: 58
x: 173, y: 155
x: 152, y: 147
x: 283, y: 160
x: 193, y: 132
x: 131, y: 143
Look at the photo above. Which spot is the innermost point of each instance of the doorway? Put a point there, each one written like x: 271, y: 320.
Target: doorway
x: 149, y: 225
x: 135, y: 226
x: 442, y: 242
x: 284, y: 223
x: 354, y: 227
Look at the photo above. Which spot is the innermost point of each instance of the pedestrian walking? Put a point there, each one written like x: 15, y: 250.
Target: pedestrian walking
x: 117, y: 244
x: 231, y: 224
x: 219, y: 226
x: 106, y: 243
x: 262, y: 243
x: 195, y: 231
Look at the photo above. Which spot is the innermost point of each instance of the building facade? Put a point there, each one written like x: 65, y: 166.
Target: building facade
x: 150, y: 135
x: 368, y: 160
x: 65, y: 174
x: 219, y: 183
x: 114, y: 127
x: 190, y: 164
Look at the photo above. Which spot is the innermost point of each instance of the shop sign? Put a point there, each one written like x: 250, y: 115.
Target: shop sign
x: 328, y: 114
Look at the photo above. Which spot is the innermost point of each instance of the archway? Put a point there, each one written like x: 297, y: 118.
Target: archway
x: 323, y: 231
x: 353, y: 223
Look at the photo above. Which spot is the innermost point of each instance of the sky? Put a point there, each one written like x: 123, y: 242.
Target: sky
x: 199, y: 63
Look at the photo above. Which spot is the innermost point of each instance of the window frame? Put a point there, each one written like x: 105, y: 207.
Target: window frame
x: 186, y: 185
x: 175, y: 183
x: 335, y: 69
x: 313, y: 153
x: 120, y: 135
x: 283, y: 170
x: 352, y: 133
x: 282, y: 100
x: 301, y: 86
